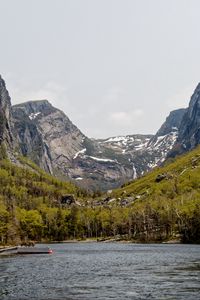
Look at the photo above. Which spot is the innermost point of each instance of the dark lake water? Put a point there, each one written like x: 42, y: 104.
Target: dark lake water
x: 103, y: 271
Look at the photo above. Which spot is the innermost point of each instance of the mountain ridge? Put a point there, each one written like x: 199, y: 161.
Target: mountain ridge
x: 48, y: 137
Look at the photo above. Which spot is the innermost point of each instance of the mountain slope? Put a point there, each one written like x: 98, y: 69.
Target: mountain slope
x: 31, y: 202
x: 165, y: 138
x: 50, y: 139
x: 174, y: 179
x: 164, y: 203
x: 172, y: 123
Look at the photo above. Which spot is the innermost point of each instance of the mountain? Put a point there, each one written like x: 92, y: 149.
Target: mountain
x: 172, y: 123
x: 51, y: 140
x: 144, y: 152
x: 45, y: 135
x: 166, y: 137
x: 48, y: 137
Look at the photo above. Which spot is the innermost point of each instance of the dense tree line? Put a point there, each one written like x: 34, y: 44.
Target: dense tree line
x: 140, y: 223
x: 30, y: 206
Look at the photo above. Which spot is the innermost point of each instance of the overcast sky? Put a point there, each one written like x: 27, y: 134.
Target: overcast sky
x: 113, y: 66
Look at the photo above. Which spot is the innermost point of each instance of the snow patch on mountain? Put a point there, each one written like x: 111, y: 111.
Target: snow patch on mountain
x: 102, y: 159
x: 121, y: 139
x: 134, y: 172
x: 79, y: 178
x: 79, y: 152
x: 32, y: 116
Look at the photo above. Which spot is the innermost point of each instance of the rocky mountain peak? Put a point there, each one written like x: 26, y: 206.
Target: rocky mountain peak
x: 35, y: 108
x: 189, y: 135
x: 172, y: 122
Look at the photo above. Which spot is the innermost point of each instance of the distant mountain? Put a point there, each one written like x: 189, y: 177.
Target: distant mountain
x: 166, y: 137
x: 172, y: 123
x: 47, y: 136
x: 51, y: 140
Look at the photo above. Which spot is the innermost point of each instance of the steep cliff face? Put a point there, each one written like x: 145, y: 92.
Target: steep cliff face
x: 6, y: 137
x: 165, y: 138
x: 50, y: 139
x: 172, y: 122
x: 189, y: 134
x: 49, y: 132
x: 30, y: 140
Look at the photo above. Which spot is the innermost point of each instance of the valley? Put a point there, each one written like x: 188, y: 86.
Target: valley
x: 58, y: 184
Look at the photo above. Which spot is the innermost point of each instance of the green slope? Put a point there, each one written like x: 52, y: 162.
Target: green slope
x: 167, y: 200
x: 181, y: 177
x: 30, y: 202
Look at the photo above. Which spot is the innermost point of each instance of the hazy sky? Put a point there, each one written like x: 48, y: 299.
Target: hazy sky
x: 113, y: 66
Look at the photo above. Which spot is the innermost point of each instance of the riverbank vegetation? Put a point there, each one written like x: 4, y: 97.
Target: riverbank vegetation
x: 162, y: 205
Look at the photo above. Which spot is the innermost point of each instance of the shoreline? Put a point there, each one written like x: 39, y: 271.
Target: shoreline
x: 110, y: 240
x: 103, y: 240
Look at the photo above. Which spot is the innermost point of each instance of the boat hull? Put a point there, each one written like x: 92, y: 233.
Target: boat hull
x: 34, y: 250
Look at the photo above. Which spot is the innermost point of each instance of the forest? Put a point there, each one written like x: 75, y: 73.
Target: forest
x: 162, y: 205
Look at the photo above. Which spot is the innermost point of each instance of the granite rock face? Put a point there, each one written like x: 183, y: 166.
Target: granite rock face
x: 166, y: 137
x: 46, y: 135
x: 50, y: 139
x: 6, y: 136
x: 29, y: 137
x: 172, y: 123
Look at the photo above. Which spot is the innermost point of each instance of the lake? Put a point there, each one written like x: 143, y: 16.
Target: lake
x: 103, y: 271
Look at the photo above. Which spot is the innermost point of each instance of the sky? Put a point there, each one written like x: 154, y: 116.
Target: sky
x: 115, y: 67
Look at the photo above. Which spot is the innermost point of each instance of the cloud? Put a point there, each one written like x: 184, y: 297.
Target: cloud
x: 125, y: 118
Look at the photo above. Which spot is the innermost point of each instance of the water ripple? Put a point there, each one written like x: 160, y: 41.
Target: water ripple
x: 103, y: 271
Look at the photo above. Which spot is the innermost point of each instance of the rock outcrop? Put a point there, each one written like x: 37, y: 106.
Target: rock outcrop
x: 29, y: 137
x: 172, y: 123
x: 6, y: 136
x: 166, y: 137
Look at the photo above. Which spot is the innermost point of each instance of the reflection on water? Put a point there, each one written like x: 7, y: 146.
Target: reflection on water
x: 103, y: 271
